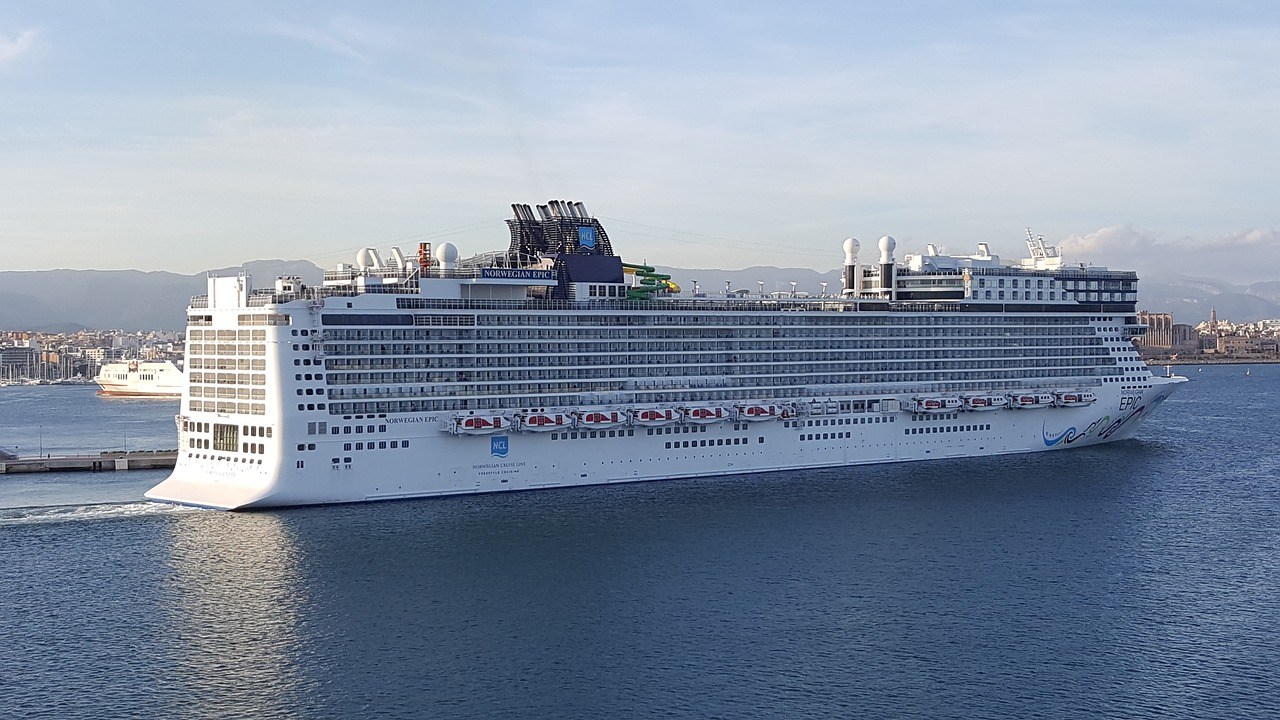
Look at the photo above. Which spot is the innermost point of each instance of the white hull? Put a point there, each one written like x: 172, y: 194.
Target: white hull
x: 404, y: 380
x: 145, y: 379
x: 441, y: 463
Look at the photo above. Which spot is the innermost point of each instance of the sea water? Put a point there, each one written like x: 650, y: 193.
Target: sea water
x: 1137, y: 579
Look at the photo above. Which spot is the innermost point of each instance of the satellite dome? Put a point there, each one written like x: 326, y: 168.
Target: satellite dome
x: 364, y: 258
x: 447, y: 253
x: 851, y: 248
x: 887, y: 245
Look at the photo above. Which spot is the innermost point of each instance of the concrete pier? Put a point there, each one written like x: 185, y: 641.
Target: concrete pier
x: 100, y: 462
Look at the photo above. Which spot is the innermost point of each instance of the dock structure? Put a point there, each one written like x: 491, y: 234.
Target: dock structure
x: 97, y: 462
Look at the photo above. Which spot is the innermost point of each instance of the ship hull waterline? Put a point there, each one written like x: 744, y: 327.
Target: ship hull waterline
x: 443, y: 464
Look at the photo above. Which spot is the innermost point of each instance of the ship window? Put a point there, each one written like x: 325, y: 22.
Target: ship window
x: 346, y: 446
x: 404, y: 443
x: 226, y: 437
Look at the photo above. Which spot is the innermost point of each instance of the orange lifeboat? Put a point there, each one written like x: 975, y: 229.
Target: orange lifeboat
x: 705, y: 414
x: 979, y: 403
x: 597, y: 419
x: 536, y: 421
x: 480, y: 424
x: 1030, y: 400
x: 936, y: 404
x: 1074, y: 398
x: 757, y: 413
x: 654, y: 417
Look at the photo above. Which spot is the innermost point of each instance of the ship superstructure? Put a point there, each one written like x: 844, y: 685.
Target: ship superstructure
x: 553, y: 364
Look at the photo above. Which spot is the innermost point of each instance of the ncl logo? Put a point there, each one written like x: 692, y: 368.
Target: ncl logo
x: 498, y: 446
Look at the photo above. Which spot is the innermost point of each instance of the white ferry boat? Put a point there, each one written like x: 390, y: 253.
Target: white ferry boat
x: 141, y: 378
x: 552, y: 364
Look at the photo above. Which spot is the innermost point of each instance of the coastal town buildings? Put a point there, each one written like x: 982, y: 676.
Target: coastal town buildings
x: 34, y: 356
x: 1216, y: 339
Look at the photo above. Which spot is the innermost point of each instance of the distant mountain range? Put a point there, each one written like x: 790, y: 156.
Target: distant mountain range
x: 70, y: 300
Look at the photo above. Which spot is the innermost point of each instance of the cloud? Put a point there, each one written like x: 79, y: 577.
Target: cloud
x: 330, y: 40
x: 1238, y: 257
x: 11, y: 50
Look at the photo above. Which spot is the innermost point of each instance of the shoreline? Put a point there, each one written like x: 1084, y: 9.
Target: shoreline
x: 1212, y: 361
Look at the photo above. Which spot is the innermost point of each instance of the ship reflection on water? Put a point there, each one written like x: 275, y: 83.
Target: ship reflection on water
x: 234, y: 612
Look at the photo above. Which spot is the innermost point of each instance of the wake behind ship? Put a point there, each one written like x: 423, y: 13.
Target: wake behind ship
x: 553, y: 363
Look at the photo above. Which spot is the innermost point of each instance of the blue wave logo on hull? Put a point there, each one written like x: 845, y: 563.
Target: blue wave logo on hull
x: 498, y: 446
x: 1051, y: 440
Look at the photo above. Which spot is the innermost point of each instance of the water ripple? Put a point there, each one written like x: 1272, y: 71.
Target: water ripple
x: 92, y: 511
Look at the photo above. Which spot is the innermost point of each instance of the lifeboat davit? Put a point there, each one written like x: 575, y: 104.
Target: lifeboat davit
x: 818, y: 407
x: 1074, y: 398
x: 481, y: 424
x: 654, y: 417
x: 979, y: 403
x: 1030, y: 400
x: 936, y: 404
x: 705, y: 414
x: 757, y: 413
x: 597, y: 419
x: 534, y: 421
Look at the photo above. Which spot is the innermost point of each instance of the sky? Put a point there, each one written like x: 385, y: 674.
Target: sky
x: 187, y: 136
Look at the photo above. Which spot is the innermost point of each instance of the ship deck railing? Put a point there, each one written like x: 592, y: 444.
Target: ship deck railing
x: 1087, y: 273
x: 411, y: 301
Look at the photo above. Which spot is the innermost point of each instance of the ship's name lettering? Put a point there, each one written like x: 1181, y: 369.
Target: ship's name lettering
x: 517, y: 274
x: 393, y: 421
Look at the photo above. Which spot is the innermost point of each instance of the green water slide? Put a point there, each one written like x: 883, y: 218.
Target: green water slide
x: 650, y: 282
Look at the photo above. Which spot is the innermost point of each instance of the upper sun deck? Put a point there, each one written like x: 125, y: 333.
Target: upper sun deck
x: 564, y: 262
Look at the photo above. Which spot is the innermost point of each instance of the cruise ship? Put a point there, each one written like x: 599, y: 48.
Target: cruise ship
x: 553, y: 363
x: 141, y: 378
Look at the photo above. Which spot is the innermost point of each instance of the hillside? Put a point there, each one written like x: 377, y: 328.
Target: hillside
x: 67, y: 300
